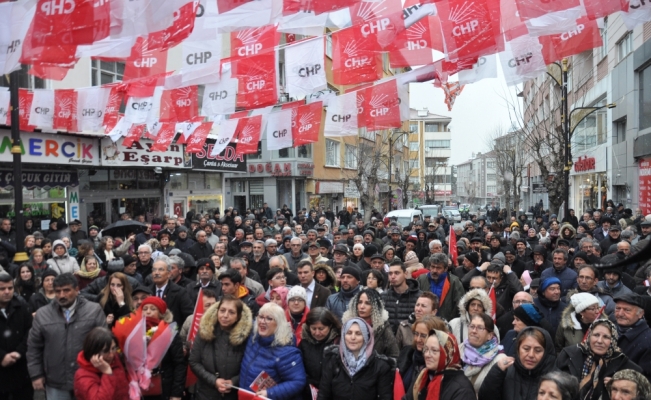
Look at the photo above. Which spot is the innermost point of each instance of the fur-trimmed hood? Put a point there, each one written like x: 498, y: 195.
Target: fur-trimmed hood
x: 332, y: 278
x: 475, y: 294
x: 307, y: 336
x: 569, y: 320
x: 240, y: 331
x: 572, y: 230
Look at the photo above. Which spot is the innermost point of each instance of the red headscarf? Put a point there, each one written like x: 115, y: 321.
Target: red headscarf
x: 449, y: 359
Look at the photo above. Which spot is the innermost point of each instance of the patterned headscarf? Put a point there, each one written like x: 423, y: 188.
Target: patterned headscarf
x: 593, y: 362
x: 354, y: 364
x: 449, y: 359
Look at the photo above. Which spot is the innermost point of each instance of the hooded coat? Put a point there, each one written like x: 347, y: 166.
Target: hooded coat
x: 571, y: 237
x: 459, y: 326
x: 331, y: 278
x: 313, y: 356
x: 517, y: 382
x: 570, y: 331
x: 219, y: 353
x: 64, y: 263
x: 90, y: 384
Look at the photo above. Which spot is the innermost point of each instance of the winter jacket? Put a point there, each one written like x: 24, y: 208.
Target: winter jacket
x: 200, y: 250
x: 178, y: 301
x: 570, y: 331
x: 459, y: 326
x: 507, y: 289
x: 194, y: 287
x: 605, y: 299
x: 184, y: 245
x: 283, y: 363
x: 292, y: 261
x: 636, y: 344
x: 479, y: 377
x: 53, y: 343
x: 15, y: 326
x: 38, y: 300
x: 448, y: 307
x: 374, y: 381
x: 218, y: 353
x: 567, y: 276
x: 385, y: 341
x: 90, y: 384
x: 517, y: 382
x: 338, y: 302
x: 551, y: 312
x: 570, y: 360
x: 64, y: 263
x: 173, y: 369
x: 331, y: 279
x: 401, y: 305
x: 454, y: 386
x: 312, y: 352
x: 297, y: 326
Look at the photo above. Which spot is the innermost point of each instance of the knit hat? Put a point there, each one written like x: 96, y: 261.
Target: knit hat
x: 548, y: 282
x: 581, y: 301
x: 369, y: 250
x: 411, y: 259
x: 206, y: 262
x: 352, y: 271
x: 156, y: 302
x: 472, y: 257
x: 584, y: 256
x: 500, y: 256
x: 529, y: 314
x: 115, y: 265
x: 297, y: 291
x: 48, y: 272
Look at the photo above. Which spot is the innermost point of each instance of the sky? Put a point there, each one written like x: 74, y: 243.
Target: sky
x: 477, y: 112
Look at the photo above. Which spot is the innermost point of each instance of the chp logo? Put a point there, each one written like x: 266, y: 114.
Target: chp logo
x: 378, y: 105
x: 64, y: 108
x: 520, y: 60
x: 352, y: 50
x: 146, y: 59
x: 58, y: 7
x: 574, y: 32
x: 246, y: 135
x: 305, y: 122
x: 415, y: 35
x: 183, y: 99
x: 250, y: 39
x: 113, y: 103
x: 464, y: 19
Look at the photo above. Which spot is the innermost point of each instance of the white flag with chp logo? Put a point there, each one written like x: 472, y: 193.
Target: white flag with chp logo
x: 219, y: 98
x: 226, y: 130
x: 13, y: 29
x: 279, y: 130
x: 522, y: 60
x: 484, y: 68
x: 41, y: 113
x: 120, y: 129
x: 341, y: 118
x: 137, y: 109
x: 91, y: 104
x: 304, y: 68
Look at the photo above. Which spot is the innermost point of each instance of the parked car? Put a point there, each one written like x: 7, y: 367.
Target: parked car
x: 430, y: 209
x: 452, y: 214
x: 404, y: 217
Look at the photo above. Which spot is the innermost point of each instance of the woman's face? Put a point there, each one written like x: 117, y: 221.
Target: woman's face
x: 543, y: 231
x: 66, y: 241
x: 266, y: 325
x: 25, y: 274
x: 549, y: 391
x: 389, y: 255
x: 554, y: 225
x: 364, y: 307
x: 164, y: 241
x: 47, y: 248
x: 227, y: 314
x: 525, y: 227
x: 420, y: 336
x: 532, y: 233
x: 600, y: 340
x: 518, y: 325
x: 432, y: 353
x: 150, y: 311
x: 59, y: 250
x: 278, y: 280
x: 30, y: 242
x: 475, y: 307
x: 371, y: 281
x: 477, y: 333
x: 116, y: 283
x: 319, y: 331
x: 358, y: 251
x: 48, y: 283
x: 109, y: 354
x: 91, y: 265
x: 320, y: 275
x: 109, y: 244
x: 354, y: 338
x: 530, y: 352
x: 38, y: 257
x: 296, y: 305
x: 275, y: 298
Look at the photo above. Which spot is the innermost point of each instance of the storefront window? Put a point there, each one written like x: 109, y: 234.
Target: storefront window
x: 213, y: 181
x: 205, y: 204
x: 118, y: 179
x: 143, y: 206
x: 591, y: 191
x: 38, y: 204
x: 284, y: 188
x: 300, y: 190
x: 196, y: 181
x: 178, y: 181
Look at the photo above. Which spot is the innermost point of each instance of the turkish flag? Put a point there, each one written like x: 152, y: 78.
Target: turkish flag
x: 356, y: 58
x: 179, y: 105
x: 491, y: 295
x: 112, y: 107
x: 585, y: 36
x: 198, y: 306
x: 383, y: 107
x: 414, y: 45
x: 254, y: 41
x: 246, y: 395
x: 144, y: 62
x: 65, y: 110
x: 134, y: 134
x: 470, y: 28
x: 256, y: 77
x: 306, y: 123
x: 529, y: 9
x: 248, y: 134
x: 165, y: 136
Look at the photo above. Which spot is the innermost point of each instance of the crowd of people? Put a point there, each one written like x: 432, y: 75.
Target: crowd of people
x: 321, y: 306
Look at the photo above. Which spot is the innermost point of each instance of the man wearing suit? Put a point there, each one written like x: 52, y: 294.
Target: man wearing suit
x: 317, y: 295
x: 176, y: 297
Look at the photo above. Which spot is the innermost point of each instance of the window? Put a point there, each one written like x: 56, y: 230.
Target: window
x: 104, y: 72
x: 332, y: 153
x: 437, y: 144
x: 413, y: 146
x: 645, y: 98
x: 304, y: 151
x: 366, y: 134
x: 431, y: 127
x: 286, y: 153
x: 414, y: 163
x: 619, y: 131
x: 328, y: 45
x: 490, y: 164
x: 490, y: 177
x: 25, y: 80
x: 350, y: 158
x: 591, y: 131
x: 256, y: 156
x: 624, y: 46
x: 413, y: 127
x: 604, y: 38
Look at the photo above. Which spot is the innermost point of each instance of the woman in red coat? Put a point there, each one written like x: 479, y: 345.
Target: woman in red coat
x: 101, y: 375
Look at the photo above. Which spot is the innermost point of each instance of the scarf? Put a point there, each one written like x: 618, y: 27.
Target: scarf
x: 593, y: 363
x: 439, y: 288
x: 109, y: 255
x: 476, y: 358
x: 449, y: 359
x: 83, y: 272
x: 351, y: 363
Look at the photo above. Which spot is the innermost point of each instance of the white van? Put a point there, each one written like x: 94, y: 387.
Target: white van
x: 404, y: 217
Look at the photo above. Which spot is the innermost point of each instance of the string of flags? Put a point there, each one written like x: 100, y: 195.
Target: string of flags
x: 234, y: 53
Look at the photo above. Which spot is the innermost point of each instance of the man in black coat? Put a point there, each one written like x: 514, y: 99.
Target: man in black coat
x: 206, y: 275
x: 76, y: 234
x: 635, y: 334
x: 15, y: 323
x: 177, y: 298
x: 202, y: 248
x: 145, y: 263
x: 317, y: 295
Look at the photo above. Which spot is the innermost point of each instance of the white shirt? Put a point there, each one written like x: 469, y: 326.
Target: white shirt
x: 162, y: 289
x: 310, y: 292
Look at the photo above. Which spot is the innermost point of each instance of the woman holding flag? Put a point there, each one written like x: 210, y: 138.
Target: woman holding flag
x: 218, y: 349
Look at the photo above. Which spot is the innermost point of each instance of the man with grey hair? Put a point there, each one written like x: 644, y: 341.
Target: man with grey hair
x: 295, y: 253
x: 234, y: 245
x: 435, y: 281
x: 259, y: 263
x: 176, y: 297
x: 201, y: 249
x: 250, y: 278
x: 271, y: 245
x: 145, y: 263
x: 176, y: 274
x: 634, y: 332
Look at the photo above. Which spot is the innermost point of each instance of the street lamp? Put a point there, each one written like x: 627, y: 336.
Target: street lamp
x: 16, y: 151
x: 391, y: 143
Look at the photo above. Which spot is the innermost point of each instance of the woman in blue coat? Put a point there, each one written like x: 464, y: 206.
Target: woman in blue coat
x: 271, y: 349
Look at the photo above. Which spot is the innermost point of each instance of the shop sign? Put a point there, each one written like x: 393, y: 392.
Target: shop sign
x: 226, y: 161
x: 41, y: 179
x: 305, y: 169
x: 585, y: 164
x: 140, y: 155
x: 644, y: 182
x: 271, y: 169
x: 329, y: 187
x: 351, y: 192
x: 44, y: 148
x: 593, y: 161
x: 538, y: 188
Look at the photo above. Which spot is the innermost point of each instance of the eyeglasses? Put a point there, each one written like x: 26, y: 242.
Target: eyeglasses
x: 476, y: 328
x: 520, y: 302
x: 280, y: 278
x: 593, y: 309
x: 430, y: 350
x: 419, y: 335
x: 296, y: 300
x: 266, y: 319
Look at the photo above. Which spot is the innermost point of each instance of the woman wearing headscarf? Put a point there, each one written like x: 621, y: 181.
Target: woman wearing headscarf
x: 481, y: 350
x: 576, y: 320
x: 516, y: 378
x: 523, y: 316
x: 594, y: 360
x: 354, y: 370
x: 89, y: 271
x: 642, y: 389
x: 368, y: 305
x: 442, y: 378
x: 472, y: 303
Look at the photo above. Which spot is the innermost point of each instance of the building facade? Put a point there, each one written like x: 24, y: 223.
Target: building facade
x: 477, y: 182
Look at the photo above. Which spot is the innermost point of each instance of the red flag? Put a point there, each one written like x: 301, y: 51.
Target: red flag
x: 196, y: 317
x: 144, y: 61
x: 452, y: 246
x: 383, y: 109
x: 306, y: 123
x: 70, y: 21
x: 470, y: 29
x: 398, y: 386
x: 179, y: 105
x: 529, y: 9
x: 248, y: 134
x: 182, y: 27
x: 65, y: 110
x: 584, y: 37
x: 602, y: 8
x: 49, y: 71
x: 113, y: 107
x: 165, y: 136
x: 198, y: 138
x: 25, y: 98
x: 380, y: 21
x: 491, y: 295
x: 246, y: 395
x: 414, y: 45
x: 452, y: 90
x: 356, y: 58
x: 256, y: 78
x: 133, y: 135
x: 251, y: 42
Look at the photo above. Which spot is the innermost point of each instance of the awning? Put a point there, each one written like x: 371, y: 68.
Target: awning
x: 41, y: 179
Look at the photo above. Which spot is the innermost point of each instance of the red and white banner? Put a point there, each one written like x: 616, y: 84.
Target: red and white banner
x: 73, y: 22
x: 380, y: 21
x: 133, y: 134
x: 219, y: 98
x: 248, y: 135
x: 14, y: 24
x: 522, y: 60
x: 383, y: 108
x: 144, y: 62
x: 305, y: 68
x: 602, y: 8
x: 256, y: 78
x: 586, y: 36
x: 484, y: 68
x: 252, y: 42
x: 227, y: 130
x: 65, y: 110
x: 91, y: 103
x: 414, y: 45
x: 202, y: 52
x: 355, y: 58
x: 164, y: 137
x: 306, y: 123
x: 279, y: 130
x: 179, y: 105
x: 235, y: 15
x: 639, y: 12
x: 41, y: 111
x: 137, y: 109
x: 528, y: 9
x: 470, y: 29
x: 341, y: 118
x: 195, y: 143
x: 119, y: 130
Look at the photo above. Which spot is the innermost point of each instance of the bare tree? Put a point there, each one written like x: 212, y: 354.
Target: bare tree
x: 510, y: 154
x: 370, y: 165
x: 432, y: 176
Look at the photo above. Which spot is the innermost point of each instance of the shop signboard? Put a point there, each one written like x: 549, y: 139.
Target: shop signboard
x: 49, y: 148
x: 538, y: 188
x: 292, y: 168
x: 41, y: 179
x: 140, y: 155
x: 644, y: 184
x: 226, y: 161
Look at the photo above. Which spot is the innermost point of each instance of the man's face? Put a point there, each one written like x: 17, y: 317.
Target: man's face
x: 258, y: 249
x: 558, y: 260
x: 627, y: 314
x: 605, y: 225
x: 246, y: 249
x: 470, y: 228
x: 183, y: 234
x: 324, y: 251
x: 311, y: 236
x: 435, y: 270
x: 377, y: 264
x: 495, y: 242
x: 144, y: 255
x: 614, y: 234
x: 646, y: 230
x: 6, y: 293
x: 295, y: 246
x: 396, y: 276
x: 159, y: 273
x: 360, y: 223
x: 313, y: 251
x: 242, y: 270
x: 475, y: 246
x: 175, y: 272
x: 305, y: 275
x: 494, y: 277
x: 228, y: 287
x: 348, y: 282
x: 138, y: 298
x: 553, y: 292
x: 478, y: 283
x: 612, y: 278
x: 171, y: 225
x: 66, y: 295
x: 436, y: 248
x: 259, y: 234
x: 510, y: 258
x: 205, y: 273
x: 74, y: 228
x: 586, y: 279
x: 202, y: 237
x: 6, y: 225
x: 220, y: 249
x: 538, y: 257
x: 224, y: 229
x: 208, y: 230
x: 624, y: 247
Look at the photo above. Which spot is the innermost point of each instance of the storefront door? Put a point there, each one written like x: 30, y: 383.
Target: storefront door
x: 178, y: 207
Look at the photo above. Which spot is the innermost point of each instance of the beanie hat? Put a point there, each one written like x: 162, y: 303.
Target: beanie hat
x: 156, y: 302
x: 206, y: 262
x: 529, y: 314
x: 411, y: 259
x: 128, y: 259
x: 472, y: 257
x: 369, y: 250
x: 48, y: 272
x: 297, y: 291
x: 352, y: 271
x: 499, y: 256
x: 548, y: 282
x: 581, y: 301
x: 584, y: 256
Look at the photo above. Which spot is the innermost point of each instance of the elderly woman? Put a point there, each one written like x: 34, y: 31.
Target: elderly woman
x: 368, y: 306
x: 629, y: 384
x: 576, y: 320
x: 523, y: 316
x: 270, y: 349
x: 297, y: 310
x: 442, y: 378
x: 481, y: 350
x: 472, y: 303
x: 61, y: 261
x: 321, y: 329
x: 516, y: 378
x: 358, y: 253
x: 354, y: 370
x: 595, y: 360
x: 558, y: 386
x: 38, y: 262
x: 89, y: 271
x: 218, y: 349
x: 105, y: 250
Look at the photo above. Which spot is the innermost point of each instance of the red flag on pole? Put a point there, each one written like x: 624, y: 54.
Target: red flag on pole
x: 491, y: 295
x: 398, y: 386
x: 191, y: 378
x: 452, y: 246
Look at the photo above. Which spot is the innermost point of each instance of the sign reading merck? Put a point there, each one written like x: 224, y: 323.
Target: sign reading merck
x: 47, y: 148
